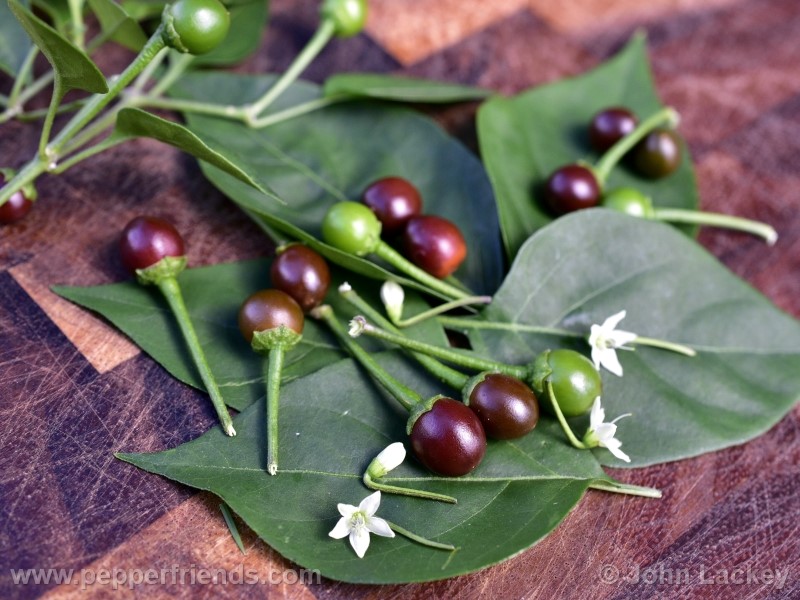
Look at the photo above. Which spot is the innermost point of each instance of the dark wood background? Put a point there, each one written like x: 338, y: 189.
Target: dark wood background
x: 72, y: 390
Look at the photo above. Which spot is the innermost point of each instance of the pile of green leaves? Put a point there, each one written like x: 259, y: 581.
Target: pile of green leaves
x: 570, y: 273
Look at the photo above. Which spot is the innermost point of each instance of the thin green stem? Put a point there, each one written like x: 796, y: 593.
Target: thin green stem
x: 174, y: 71
x: 34, y: 115
x: 77, y: 25
x: 393, y: 489
x: 561, y: 420
x: 147, y: 73
x: 47, y: 126
x: 449, y: 376
x: 296, y: 111
x: 273, y: 378
x: 109, y: 118
x: 443, y: 308
x: 22, y: 78
x: 315, y: 45
x: 625, y: 488
x: 34, y: 88
x: 448, y: 354
x: 679, y: 348
x: 24, y: 176
x: 666, y: 116
x: 97, y: 127
x: 399, y: 262
x: 99, y: 101
x: 204, y: 108
x: 677, y: 215
x: 172, y: 292
x: 419, y: 539
x: 70, y: 162
x: 471, y: 323
x: 403, y: 394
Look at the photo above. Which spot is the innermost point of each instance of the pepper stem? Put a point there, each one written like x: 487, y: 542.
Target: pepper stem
x: 447, y: 375
x: 273, y: 378
x: 666, y: 116
x: 664, y: 345
x: 315, y: 45
x: 402, y: 264
x: 393, y: 489
x: 471, y: 323
x: 418, y: 538
x: 677, y: 215
x: 625, y: 488
x: 403, y: 394
x: 442, y: 308
x: 172, y: 292
x: 470, y: 362
x: 561, y: 420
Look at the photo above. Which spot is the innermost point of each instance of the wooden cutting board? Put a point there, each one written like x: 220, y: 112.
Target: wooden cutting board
x: 72, y: 390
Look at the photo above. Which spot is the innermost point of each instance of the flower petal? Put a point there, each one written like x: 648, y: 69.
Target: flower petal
x: 613, y: 445
x: 341, y: 530
x: 346, y: 510
x: 379, y: 526
x: 597, y: 416
x: 597, y: 356
x: 359, y: 540
x: 619, y: 338
x: 605, y: 432
x: 610, y: 362
x: 369, y: 505
x: 595, y: 333
x: 611, y: 322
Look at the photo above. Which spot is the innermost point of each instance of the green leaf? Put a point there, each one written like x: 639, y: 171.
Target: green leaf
x: 332, y: 154
x: 399, y: 89
x: 333, y: 423
x: 14, y: 43
x: 73, y: 69
x: 134, y: 122
x: 525, y: 138
x: 237, y: 538
x: 58, y: 13
x: 248, y: 22
x: 213, y: 296
x: 117, y: 25
x: 587, y: 266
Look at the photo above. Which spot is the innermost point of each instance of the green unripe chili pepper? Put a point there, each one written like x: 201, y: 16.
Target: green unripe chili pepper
x: 195, y: 26
x: 347, y: 16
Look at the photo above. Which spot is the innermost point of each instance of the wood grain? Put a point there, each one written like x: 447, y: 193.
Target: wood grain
x: 72, y: 391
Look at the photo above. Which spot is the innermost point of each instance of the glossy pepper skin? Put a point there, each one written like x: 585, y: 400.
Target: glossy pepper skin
x: 609, y: 126
x: 571, y: 188
x: 303, y: 274
x: 658, y: 154
x: 352, y: 228
x: 394, y: 201
x: 434, y: 244
x: 15, y: 208
x: 269, y: 309
x: 576, y: 383
x: 448, y: 439
x: 146, y: 240
x: 348, y: 16
x: 506, y: 406
x: 195, y: 26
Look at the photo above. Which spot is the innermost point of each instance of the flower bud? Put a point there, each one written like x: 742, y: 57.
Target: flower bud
x: 390, y: 458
